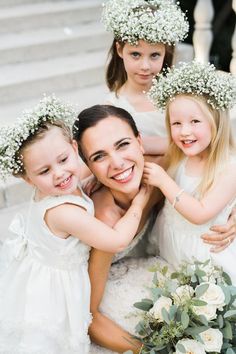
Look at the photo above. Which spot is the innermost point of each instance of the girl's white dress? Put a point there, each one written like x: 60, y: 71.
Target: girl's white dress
x: 148, y: 123
x: 44, y: 286
x: 176, y: 239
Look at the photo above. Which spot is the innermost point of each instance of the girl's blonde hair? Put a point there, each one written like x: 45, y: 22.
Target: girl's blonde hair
x: 220, y: 148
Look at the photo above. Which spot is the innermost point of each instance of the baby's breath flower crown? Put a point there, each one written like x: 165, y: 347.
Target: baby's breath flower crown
x: 155, y: 21
x: 49, y: 109
x: 197, y: 79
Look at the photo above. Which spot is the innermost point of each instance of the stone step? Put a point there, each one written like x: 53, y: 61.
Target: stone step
x: 48, y: 14
x: 80, y: 97
x: 27, y: 80
x: 7, y: 3
x: 52, y: 42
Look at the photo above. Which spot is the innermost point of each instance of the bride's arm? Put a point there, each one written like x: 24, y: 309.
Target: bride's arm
x: 103, y: 330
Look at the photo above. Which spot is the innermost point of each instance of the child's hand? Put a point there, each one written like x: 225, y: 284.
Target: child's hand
x: 142, y: 197
x: 90, y: 185
x: 153, y: 174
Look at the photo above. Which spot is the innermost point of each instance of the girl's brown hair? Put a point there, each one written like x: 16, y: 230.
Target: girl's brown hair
x: 115, y: 73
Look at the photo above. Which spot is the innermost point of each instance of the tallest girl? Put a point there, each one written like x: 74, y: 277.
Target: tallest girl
x: 145, y: 33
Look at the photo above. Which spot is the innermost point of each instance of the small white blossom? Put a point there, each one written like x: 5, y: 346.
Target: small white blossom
x: 156, y: 310
x: 197, y: 79
x: 151, y: 20
x: 213, y: 340
x: 191, y: 347
x: 182, y: 294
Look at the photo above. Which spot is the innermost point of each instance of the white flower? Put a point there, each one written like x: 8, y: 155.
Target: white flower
x: 162, y: 302
x: 214, y: 295
x: 191, y: 347
x: 49, y: 109
x: 197, y: 79
x: 213, y: 340
x: 155, y: 21
x: 209, y: 311
x: 182, y: 294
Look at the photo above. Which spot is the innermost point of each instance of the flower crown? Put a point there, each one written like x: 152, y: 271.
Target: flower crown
x: 155, y: 21
x: 196, y: 79
x: 49, y: 109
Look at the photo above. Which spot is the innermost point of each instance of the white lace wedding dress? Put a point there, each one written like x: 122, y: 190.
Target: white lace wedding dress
x: 128, y: 283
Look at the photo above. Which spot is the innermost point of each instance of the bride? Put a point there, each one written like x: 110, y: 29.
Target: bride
x: 111, y: 147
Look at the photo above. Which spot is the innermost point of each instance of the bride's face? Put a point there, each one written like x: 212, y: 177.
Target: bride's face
x: 114, y: 154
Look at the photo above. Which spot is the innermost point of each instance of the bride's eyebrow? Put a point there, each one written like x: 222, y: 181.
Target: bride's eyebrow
x: 120, y: 141
x: 103, y: 151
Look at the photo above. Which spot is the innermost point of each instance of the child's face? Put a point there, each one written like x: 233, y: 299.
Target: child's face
x: 116, y: 157
x: 142, y: 62
x: 189, y: 126
x: 52, y: 164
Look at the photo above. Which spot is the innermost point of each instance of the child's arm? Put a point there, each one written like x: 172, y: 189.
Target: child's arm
x: 68, y: 219
x: 196, y: 211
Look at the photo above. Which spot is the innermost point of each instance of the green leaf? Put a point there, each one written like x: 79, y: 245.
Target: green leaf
x: 174, y: 275
x: 203, y: 319
x: 197, y: 302
x: 201, y: 289
x: 230, y: 313
x: 227, y: 330
x: 184, y: 319
x: 200, y: 273
x: 227, y: 294
x: 220, y: 321
x: 227, y: 278
x: 181, y: 348
x: 143, y: 305
x: 172, y: 312
x: 230, y: 351
x: 165, y: 315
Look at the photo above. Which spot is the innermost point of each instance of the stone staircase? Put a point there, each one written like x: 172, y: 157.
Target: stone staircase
x: 47, y: 46
x: 50, y: 46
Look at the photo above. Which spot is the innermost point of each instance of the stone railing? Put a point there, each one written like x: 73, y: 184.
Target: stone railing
x: 203, y: 36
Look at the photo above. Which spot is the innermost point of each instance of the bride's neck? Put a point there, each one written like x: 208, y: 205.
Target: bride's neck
x: 123, y: 200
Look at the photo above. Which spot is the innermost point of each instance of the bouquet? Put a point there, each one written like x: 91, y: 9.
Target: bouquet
x: 191, y: 310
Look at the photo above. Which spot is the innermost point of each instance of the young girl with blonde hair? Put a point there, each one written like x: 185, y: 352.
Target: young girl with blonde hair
x: 145, y: 33
x: 44, y: 282
x: 200, y: 186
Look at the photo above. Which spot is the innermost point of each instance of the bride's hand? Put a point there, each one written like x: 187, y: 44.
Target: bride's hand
x: 222, y: 235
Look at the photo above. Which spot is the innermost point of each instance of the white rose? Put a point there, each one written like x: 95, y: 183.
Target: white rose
x: 162, y: 302
x: 182, y: 294
x: 214, y: 295
x: 213, y: 340
x: 209, y: 311
x: 191, y: 347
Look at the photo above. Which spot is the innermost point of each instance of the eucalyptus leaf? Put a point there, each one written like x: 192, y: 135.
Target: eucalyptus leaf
x: 143, y: 305
x: 184, y: 319
x: 227, y: 330
x: 165, y: 315
x: 181, y: 348
x: 197, y: 302
x: 230, y: 351
x: 230, y: 313
x: 220, y: 321
x: 201, y: 289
